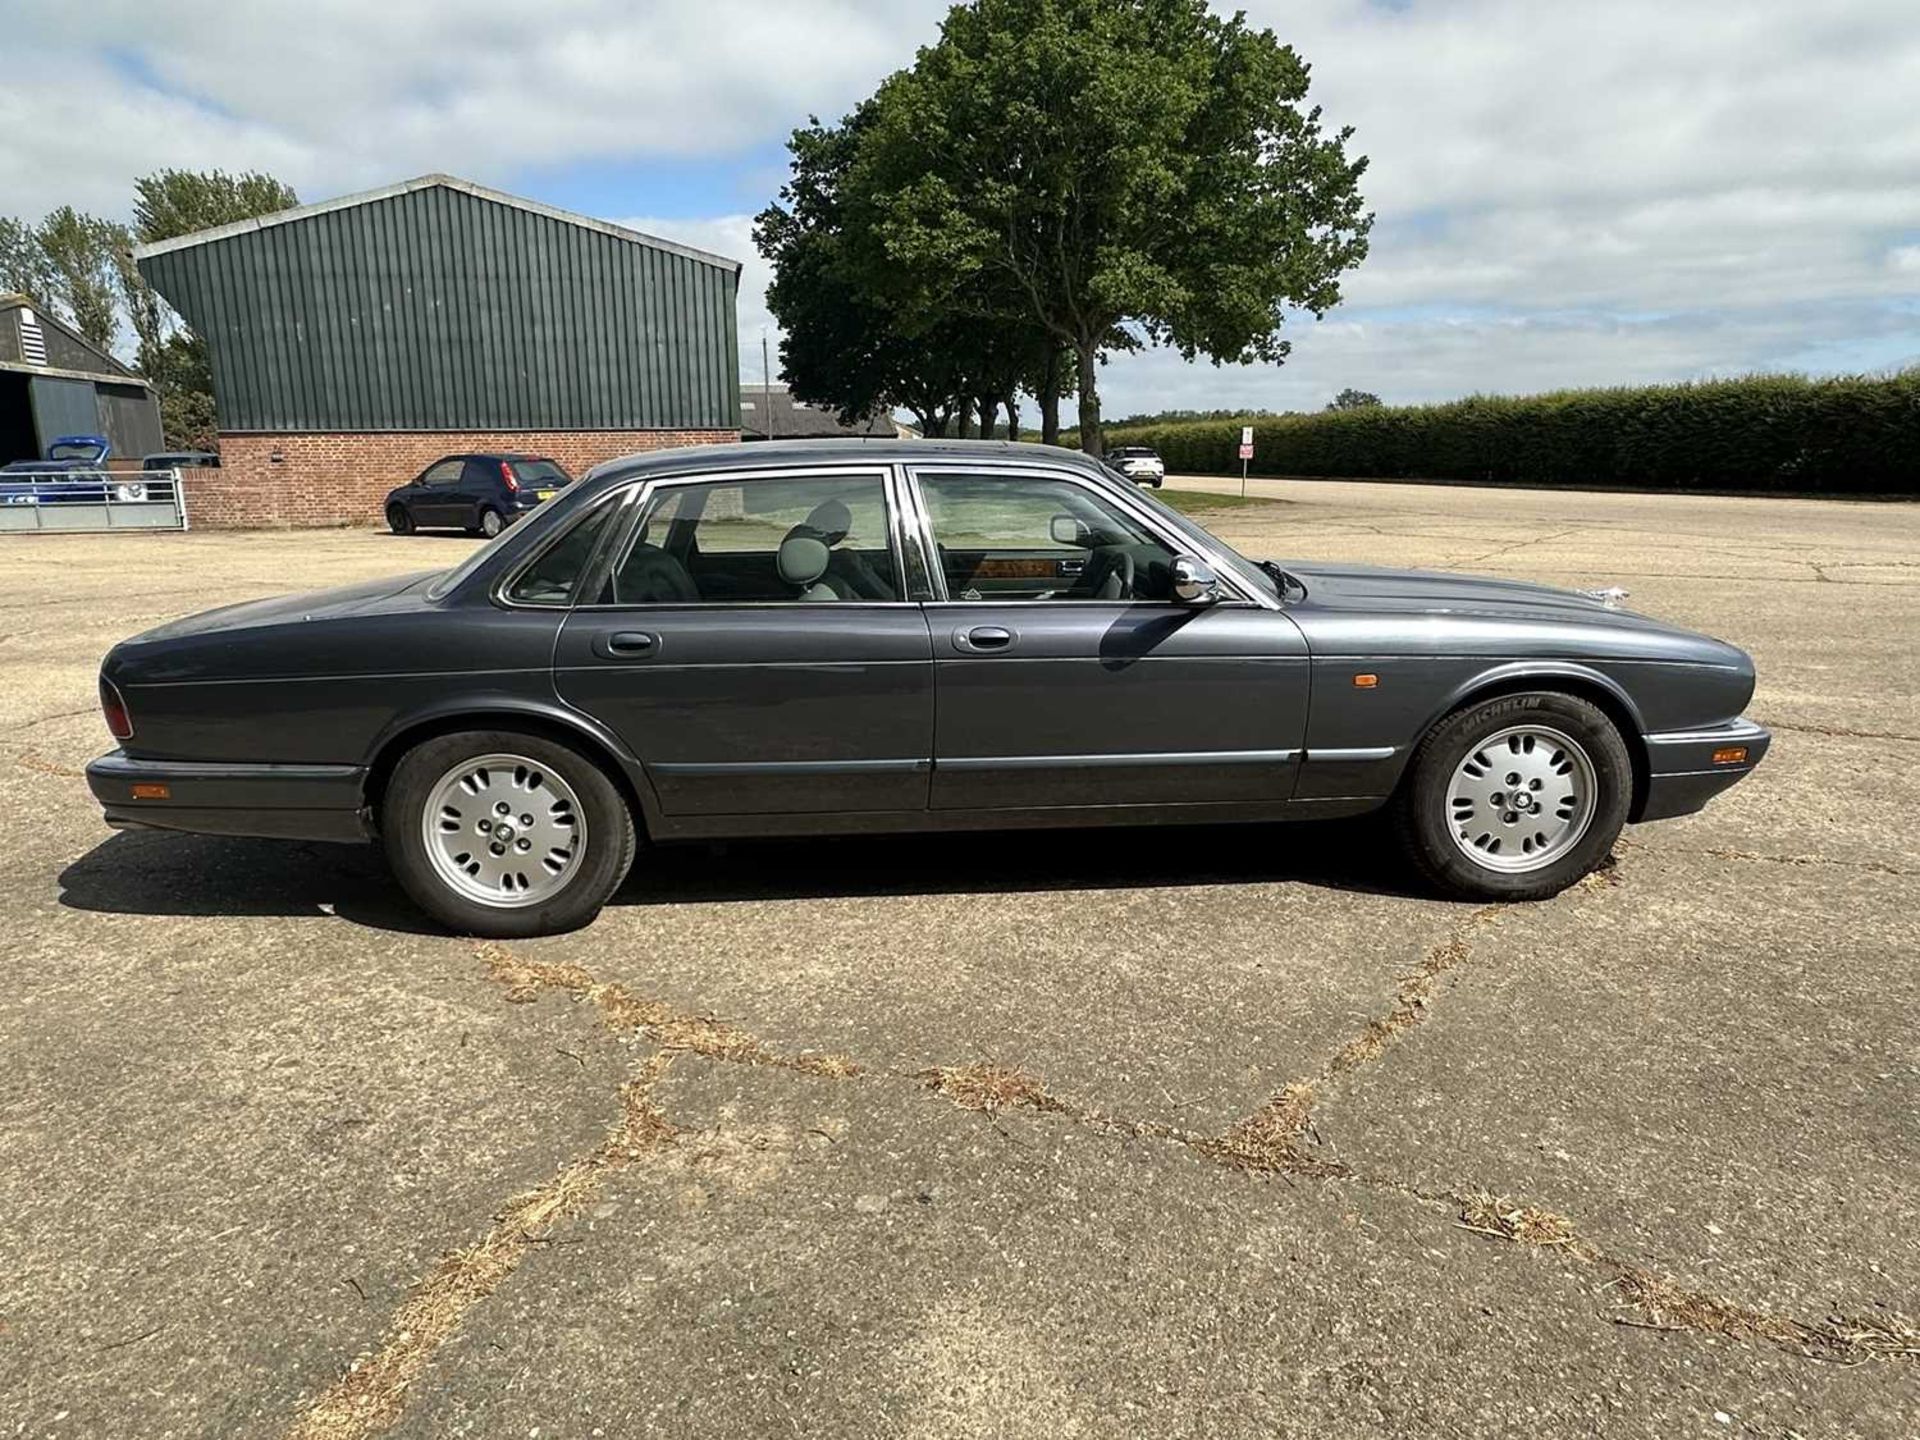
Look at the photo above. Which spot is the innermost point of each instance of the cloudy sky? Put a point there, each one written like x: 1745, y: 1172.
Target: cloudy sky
x: 1567, y: 194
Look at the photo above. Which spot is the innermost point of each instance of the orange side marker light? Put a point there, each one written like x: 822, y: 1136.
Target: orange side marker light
x: 1730, y: 755
x: 152, y: 792
x: 1365, y: 682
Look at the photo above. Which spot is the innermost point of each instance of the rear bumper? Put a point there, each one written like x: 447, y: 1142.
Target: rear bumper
x: 1682, y: 773
x: 275, y: 802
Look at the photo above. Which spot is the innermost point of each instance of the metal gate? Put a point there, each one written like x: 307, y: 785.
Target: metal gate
x: 92, y: 500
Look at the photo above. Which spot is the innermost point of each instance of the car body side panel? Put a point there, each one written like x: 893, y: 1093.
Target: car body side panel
x: 776, y: 709
x: 1095, y: 703
x: 325, y: 690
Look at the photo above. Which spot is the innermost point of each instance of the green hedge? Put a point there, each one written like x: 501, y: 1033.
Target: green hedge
x: 1856, y: 435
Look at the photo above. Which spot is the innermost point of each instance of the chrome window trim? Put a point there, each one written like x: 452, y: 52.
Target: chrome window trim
x: 643, y: 492
x: 1176, y: 542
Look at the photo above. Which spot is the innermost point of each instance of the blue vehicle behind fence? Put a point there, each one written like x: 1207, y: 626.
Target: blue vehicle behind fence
x: 73, y: 472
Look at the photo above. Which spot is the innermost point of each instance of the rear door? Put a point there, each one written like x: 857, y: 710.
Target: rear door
x: 1065, y: 673
x: 749, y: 687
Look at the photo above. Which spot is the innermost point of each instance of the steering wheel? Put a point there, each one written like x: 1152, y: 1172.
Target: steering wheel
x: 1126, y: 571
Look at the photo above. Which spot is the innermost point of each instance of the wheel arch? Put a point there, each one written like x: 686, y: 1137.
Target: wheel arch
x: 1582, y: 682
x: 548, y: 722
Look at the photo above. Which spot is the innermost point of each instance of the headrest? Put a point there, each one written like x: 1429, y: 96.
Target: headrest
x: 829, y: 522
x: 803, y: 560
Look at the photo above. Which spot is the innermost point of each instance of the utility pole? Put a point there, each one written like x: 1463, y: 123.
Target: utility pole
x: 766, y: 382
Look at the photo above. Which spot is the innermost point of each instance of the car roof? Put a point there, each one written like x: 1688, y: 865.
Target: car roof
x: 847, y: 450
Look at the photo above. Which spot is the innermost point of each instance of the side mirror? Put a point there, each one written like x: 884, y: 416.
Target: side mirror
x: 1194, y: 582
x: 1070, y: 530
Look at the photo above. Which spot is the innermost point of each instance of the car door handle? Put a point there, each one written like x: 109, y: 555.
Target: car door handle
x: 627, y: 644
x: 986, y: 637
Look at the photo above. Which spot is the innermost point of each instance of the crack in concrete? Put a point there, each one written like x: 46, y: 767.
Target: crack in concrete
x: 370, y: 1396
x: 624, y: 1012
x: 32, y: 760
x: 1870, y: 867
x: 1840, y: 732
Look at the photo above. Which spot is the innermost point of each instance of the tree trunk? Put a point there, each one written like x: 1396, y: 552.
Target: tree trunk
x: 1089, y: 401
x: 1050, y: 399
x: 963, y: 420
x: 1013, y: 417
x: 989, y: 407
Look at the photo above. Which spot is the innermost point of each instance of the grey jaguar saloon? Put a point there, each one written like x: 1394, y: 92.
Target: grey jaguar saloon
x: 805, y: 638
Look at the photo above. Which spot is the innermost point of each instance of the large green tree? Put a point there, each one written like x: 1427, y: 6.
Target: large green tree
x: 854, y: 340
x: 1117, y: 171
x: 68, y: 263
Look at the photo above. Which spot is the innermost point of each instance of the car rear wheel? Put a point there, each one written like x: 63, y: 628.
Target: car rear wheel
x: 492, y: 522
x: 1515, y: 798
x: 506, y: 835
x: 399, y: 520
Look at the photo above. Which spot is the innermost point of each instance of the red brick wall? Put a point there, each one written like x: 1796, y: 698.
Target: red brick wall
x: 341, y: 478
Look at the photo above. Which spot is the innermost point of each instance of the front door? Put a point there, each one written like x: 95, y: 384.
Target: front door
x: 433, y: 500
x: 753, y: 650
x: 1067, y: 675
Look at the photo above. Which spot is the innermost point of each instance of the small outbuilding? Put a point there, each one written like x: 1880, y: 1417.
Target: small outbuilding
x: 769, y: 412
x: 355, y: 341
x: 54, y: 382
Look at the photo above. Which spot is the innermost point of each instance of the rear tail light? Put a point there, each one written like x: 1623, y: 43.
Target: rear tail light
x: 114, y: 709
x: 506, y: 473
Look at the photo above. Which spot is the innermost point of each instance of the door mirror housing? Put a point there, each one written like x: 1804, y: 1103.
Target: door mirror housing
x: 1194, y: 582
x: 1070, y: 530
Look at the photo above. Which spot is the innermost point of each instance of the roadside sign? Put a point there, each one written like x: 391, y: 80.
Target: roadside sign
x: 1246, y: 451
x: 1246, y: 454
x: 1246, y: 437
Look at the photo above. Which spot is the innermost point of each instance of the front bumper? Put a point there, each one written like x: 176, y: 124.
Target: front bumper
x: 275, y: 802
x: 1682, y: 774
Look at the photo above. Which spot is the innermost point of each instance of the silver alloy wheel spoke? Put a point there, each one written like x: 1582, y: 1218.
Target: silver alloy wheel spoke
x: 504, y: 830
x: 1521, y: 799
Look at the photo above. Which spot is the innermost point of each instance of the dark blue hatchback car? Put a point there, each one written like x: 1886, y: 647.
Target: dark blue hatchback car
x: 481, y: 494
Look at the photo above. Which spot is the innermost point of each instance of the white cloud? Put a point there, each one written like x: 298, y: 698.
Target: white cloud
x: 1567, y: 194
x: 359, y: 92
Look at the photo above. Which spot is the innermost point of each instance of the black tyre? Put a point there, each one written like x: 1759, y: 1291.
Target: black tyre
x: 503, y: 834
x: 492, y: 522
x: 1514, y: 798
x: 399, y: 520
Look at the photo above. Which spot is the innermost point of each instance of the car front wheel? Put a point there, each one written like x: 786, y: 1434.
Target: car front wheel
x: 506, y: 835
x: 1515, y: 798
x: 399, y: 520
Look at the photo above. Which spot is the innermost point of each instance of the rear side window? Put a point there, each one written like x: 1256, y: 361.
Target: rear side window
x: 555, y: 573
x: 815, y: 538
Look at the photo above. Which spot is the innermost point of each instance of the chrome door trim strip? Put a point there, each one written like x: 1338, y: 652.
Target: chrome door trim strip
x: 973, y: 763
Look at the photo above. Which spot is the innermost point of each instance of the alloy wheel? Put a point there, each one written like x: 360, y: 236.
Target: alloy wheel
x: 1521, y: 798
x: 504, y: 830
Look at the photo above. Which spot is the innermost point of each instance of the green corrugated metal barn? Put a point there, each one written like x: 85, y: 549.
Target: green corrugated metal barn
x: 355, y: 341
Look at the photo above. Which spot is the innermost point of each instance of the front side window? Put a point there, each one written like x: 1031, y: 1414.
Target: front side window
x: 815, y: 538
x: 1022, y: 537
x: 447, y: 472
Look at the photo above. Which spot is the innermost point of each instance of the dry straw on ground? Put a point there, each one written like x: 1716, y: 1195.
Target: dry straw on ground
x: 369, y: 1397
